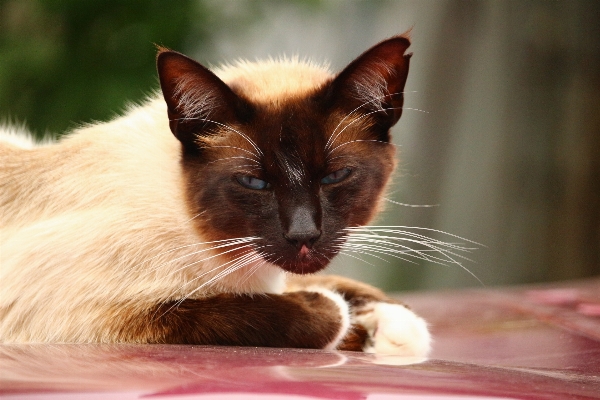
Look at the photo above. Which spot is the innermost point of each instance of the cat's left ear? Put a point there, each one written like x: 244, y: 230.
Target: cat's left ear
x: 374, y: 82
x: 197, y: 100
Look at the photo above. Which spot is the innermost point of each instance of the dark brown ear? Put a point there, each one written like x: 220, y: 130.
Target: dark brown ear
x: 197, y: 100
x: 374, y: 82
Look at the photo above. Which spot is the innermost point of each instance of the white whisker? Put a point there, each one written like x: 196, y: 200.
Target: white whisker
x: 410, y: 205
x: 194, y: 217
x: 333, y: 134
x: 398, y: 242
x: 380, y: 250
x: 353, y: 141
x: 367, y: 253
x: 415, y: 109
x: 238, y: 262
x: 252, y: 270
x: 237, y: 148
x: 431, y: 243
x: 218, y: 244
x: 440, y: 248
x: 233, y: 157
x: 206, y: 258
x: 363, y: 116
x: 259, y: 153
x: 355, y: 257
x: 394, y: 229
x: 232, y: 241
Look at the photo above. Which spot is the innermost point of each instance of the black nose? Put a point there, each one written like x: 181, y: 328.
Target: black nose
x: 300, y: 239
x: 303, y: 228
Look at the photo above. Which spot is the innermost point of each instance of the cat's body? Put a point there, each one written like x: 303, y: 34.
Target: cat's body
x: 183, y: 229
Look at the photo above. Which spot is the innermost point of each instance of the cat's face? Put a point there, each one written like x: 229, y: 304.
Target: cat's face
x: 294, y: 191
x: 293, y: 173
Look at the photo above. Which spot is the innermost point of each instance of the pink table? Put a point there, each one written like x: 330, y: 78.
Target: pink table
x: 522, y: 343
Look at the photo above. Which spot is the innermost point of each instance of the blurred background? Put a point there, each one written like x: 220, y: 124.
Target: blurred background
x: 501, y: 132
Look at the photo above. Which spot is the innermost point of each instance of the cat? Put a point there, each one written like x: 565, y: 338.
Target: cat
x: 202, y: 216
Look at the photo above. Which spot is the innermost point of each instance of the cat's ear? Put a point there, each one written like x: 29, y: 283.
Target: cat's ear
x: 197, y: 100
x: 374, y: 82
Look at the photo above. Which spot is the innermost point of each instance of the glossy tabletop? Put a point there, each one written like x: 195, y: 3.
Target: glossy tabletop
x: 515, y: 343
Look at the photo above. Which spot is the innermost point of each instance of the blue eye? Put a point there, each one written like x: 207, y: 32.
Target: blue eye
x: 336, y: 176
x: 251, y: 182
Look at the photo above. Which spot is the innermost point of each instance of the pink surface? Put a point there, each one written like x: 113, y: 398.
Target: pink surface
x: 541, y: 343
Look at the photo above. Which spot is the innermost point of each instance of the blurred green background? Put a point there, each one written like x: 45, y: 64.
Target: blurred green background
x: 501, y: 130
x: 74, y: 61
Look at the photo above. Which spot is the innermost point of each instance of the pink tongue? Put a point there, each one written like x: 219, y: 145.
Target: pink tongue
x: 304, y: 251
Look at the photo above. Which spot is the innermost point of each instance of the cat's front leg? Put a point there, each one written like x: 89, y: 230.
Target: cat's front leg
x: 317, y: 319
x: 380, y: 324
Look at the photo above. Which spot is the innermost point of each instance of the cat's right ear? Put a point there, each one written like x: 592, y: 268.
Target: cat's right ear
x: 197, y: 100
x: 373, y: 84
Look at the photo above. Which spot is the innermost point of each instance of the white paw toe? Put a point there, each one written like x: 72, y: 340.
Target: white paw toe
x: 394, y: 329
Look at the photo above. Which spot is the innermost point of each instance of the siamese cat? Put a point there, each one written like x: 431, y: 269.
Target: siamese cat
x: 202, y: 216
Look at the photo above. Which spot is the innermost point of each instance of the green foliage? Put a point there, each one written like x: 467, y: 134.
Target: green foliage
x: 63, y: 62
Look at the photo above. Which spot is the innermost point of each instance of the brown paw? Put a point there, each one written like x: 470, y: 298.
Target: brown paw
x: 333, y: 312
x: 355, y: 340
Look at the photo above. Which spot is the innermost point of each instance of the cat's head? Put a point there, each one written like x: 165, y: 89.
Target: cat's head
x: 285, y: 152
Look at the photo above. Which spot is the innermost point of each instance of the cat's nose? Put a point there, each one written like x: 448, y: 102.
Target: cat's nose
x: 303, y: 230
x: 303, y: 239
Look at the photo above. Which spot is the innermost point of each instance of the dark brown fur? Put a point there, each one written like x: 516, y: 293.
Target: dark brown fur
x: 300, y: 319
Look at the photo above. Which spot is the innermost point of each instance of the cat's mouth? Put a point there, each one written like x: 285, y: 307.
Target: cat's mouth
x: 299, y: 258
x: 303, y: 267
x: 304, y: 261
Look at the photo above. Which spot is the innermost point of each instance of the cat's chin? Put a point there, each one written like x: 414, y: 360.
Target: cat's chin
x: 303, y: 268
x: 301, y: 265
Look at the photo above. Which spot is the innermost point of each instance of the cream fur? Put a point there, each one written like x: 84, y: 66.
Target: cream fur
x: 269, y: 82
x: 98, y: 221
x: 394, y: 329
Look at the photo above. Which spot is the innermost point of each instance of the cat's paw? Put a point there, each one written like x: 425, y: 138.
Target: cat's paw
x: 343, y: 315
x: 394, y: 329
